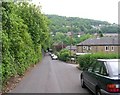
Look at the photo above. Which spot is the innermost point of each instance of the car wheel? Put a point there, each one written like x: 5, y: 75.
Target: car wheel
x: 98, y: 92
x: 82, y: 83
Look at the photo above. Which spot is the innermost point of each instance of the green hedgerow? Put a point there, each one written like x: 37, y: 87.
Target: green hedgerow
x: 86, y: 60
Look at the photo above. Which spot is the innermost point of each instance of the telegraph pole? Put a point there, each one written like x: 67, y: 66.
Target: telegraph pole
x: 70, y: 46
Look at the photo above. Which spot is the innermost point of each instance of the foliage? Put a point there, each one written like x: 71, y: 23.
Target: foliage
x: 81, y: 38
x: 62, y: 38
x: 100, y: 33
x: 86, y: 60
x: 110, y: 29
x: 64, y: 55
x: 59, y: 37
x: 37, y: 23
x: 24, y: 34
x: 66, y: 24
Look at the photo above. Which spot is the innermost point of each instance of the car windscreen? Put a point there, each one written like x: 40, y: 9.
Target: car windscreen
x: 114, y: 67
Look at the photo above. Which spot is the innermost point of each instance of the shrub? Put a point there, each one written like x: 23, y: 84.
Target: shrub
x: 64, y: 55
x: 86, y: 60
x: 25, y: 33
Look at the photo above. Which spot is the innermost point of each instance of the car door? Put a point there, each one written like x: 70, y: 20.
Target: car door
x: 92, y: 75
x: 98, y: 77
x: 102, y: 77
x: 88, y: 77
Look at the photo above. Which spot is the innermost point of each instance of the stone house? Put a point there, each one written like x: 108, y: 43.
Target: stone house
x: 103, y: 44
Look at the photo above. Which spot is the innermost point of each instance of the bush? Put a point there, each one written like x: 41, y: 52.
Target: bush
x: 25, y: 33
x: 64, y: 55
x: 86, y: 60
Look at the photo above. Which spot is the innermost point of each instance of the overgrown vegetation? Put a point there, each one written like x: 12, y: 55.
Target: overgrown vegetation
x: 25, y: 33
x: 110, y: 29
x: 67, y: 24
x: 86, y: 60
x: 61, y: 38
x: 64, y: 55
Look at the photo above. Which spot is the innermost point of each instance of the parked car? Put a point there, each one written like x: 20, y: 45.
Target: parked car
x: 54, y: 57
x: 102, y: 77
x: 50, y: 53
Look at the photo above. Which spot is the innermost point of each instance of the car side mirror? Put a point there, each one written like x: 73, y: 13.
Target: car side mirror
x: 84, y: 69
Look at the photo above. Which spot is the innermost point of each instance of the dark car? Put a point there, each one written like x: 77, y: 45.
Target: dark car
x: 102, y: 77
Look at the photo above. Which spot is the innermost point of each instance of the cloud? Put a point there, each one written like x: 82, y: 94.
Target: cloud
x: 106, y: 10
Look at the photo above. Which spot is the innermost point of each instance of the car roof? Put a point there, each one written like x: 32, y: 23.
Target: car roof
x: 109, y: 60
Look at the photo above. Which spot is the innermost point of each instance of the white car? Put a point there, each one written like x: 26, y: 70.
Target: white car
x: 54, y: 57
x: 73, y: 59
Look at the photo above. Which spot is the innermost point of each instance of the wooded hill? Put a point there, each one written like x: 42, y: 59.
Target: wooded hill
x: 66, y: 24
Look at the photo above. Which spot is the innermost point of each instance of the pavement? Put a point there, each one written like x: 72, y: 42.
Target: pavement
x: 51, y: 76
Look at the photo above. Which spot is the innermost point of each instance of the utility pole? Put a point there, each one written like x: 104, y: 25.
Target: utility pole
x: 70, y: 46
x: 70, y: 43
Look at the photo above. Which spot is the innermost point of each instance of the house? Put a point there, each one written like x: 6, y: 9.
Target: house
x: 69, y: 33
x: 103, y: 44
x: 110, y: 34
x: 80, y: 34
x: 58, y: 46
x: 71, y: 48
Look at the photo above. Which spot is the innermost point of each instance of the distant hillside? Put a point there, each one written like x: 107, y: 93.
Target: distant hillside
x: 65, y: 24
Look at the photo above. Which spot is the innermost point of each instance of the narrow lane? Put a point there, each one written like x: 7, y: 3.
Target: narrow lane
x: 51, y: 76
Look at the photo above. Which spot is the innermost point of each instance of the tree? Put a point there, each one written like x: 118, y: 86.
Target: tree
x: 110, y: 29
x: 65, y: 24
x: 25, y: 33
x: 100, y: 33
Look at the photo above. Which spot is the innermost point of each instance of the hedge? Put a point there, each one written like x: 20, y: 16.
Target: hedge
x: 64, y: 55
x: 86, y: 60
x: 24, y: 34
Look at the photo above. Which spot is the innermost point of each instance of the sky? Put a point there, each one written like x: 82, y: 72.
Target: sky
x: 104, y: 10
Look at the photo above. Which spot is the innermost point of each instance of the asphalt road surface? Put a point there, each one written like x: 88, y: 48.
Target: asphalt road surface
x: 51, y: 76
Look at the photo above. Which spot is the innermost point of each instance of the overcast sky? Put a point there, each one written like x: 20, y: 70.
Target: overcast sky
x: 105, y: 10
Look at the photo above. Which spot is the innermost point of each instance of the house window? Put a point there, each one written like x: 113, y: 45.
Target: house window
x: 112, y: 48
x: 89, y: 48
x: 106, y: 48
x: 84, y: 47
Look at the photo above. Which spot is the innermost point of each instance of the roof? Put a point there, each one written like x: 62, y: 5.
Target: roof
x: 111, y: 34
x: 100, y: 41
x: 72, y: 47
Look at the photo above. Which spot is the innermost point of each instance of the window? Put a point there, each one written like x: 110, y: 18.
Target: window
x: 84, y: 47
x: 106, y: 48
x: 89, y: 48
x: 97, y: 67
x: 112, y: 48
x: 90, y: 69
x: 114, y: 67
x: 103, y: 71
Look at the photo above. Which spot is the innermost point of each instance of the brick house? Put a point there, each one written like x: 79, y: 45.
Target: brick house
x: 103, y: 44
